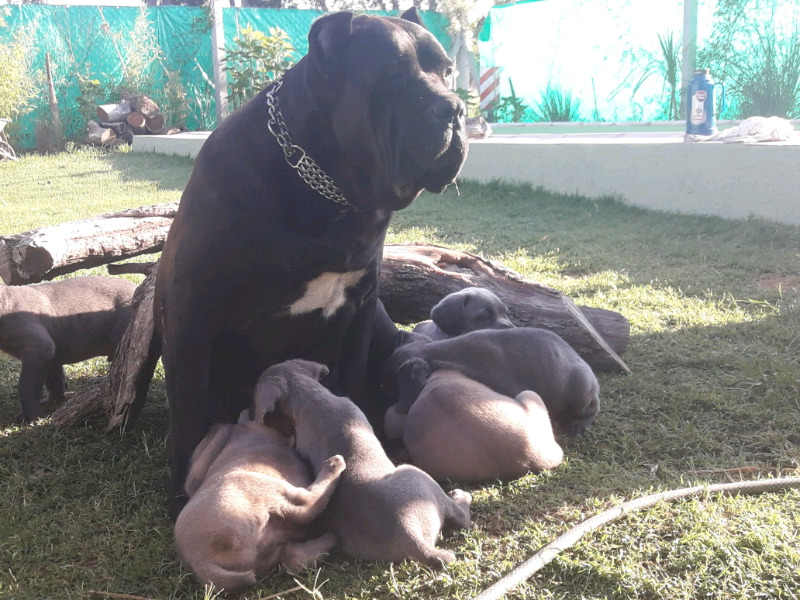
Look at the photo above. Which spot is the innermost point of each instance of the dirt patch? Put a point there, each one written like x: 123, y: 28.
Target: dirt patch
x: 773, y: 281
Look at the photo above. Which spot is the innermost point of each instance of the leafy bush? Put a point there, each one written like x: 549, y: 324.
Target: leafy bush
x: 511, y: 109
x: 17, y: 85
x: 556, y: 106
x: 257, y: 60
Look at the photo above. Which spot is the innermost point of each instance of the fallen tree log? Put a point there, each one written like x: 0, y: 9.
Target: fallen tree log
x: 415, y: 277
x: 99, y: 136
x: 120, y: 395
x: 47, y: 252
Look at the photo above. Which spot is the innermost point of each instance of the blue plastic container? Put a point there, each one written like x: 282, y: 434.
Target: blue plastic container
x: 700, y: 115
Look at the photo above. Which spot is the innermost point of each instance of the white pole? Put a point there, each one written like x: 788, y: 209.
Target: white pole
x: 217, y: 56
x: 688, y: 48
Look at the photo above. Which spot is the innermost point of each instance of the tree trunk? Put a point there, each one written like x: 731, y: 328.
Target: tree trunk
x: 154, y: 123
x: 47, y: 252
x: 120, y: 395
x: 415, y: 277
x: 137, y: 122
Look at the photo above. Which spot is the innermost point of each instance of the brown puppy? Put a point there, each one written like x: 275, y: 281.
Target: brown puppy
x: 51, y: 324
x: 463, y: 311
x: 460, y: 429
x: 509, y: 361
x: 250, y: 503
x: 379, y: 511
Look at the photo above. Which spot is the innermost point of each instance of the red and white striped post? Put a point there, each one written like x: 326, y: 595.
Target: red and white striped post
x: 489, y: 86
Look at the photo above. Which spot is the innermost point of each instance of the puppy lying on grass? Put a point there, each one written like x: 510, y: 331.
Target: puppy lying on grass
x: 251, y: 501
x: 379, y: 511
x: 460, y: 429
x: 463, y: 311
x: 509, y: 361
x: 51, y: 324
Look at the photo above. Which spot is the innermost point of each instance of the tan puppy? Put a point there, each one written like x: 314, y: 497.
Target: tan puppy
x: 460, y: 429
x: 250, y: 503
x: 379, y: 511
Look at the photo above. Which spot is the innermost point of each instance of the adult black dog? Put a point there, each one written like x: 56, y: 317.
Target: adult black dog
x: 276, y: 249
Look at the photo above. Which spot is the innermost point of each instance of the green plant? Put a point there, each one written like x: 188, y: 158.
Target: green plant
x: 91, y: 93
x: 173, y: 100
x: 769, y: 82
x: 556, y: 106
x: 257, y: 60
x: 17, y: 83
x: 471, y: 100
x: 510, y: 109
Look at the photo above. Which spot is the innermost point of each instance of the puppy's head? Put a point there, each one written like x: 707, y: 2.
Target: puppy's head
x: 275, y: 384
x: 470, y: 309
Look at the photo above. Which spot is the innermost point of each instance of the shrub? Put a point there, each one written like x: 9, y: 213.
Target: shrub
x: 17, y: 85
x: 257, y: 60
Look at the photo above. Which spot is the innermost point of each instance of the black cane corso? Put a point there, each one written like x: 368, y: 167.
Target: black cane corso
x: 276, y: 249
x: 51, y: 324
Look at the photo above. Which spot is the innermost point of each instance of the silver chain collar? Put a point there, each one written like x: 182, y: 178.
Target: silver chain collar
x: 297, y: 158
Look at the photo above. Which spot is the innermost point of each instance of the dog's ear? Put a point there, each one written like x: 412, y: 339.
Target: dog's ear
x: 412, y: 14
x: 205, y: 454
x: 449, y: 313
x: 313, y: 369
x: 411, y: 378
x: 269, y: 389
x: 328, y: 45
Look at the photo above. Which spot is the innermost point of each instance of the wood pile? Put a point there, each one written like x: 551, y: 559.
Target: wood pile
x: 118, y: 123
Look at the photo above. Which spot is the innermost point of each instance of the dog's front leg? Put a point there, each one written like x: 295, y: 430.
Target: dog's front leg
x: 36, y: 359
x: 55, y: 383
x: 187, y: 358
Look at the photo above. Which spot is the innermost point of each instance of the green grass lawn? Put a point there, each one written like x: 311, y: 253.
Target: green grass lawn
x: 714, y: 349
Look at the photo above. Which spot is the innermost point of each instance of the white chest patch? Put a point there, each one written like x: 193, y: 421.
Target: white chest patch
x: 326, y: 292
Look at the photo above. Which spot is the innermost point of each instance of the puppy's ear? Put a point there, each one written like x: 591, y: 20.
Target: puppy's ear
x: 449, y: 313
x: 269, y: 389
x: 411, y: 378
x: 313, y: 369
x: 413, y: 15
x: 328, y: 45
x: 205, y: 454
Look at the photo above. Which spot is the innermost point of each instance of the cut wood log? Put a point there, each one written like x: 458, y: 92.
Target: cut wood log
x: 155, y: 123
x: 137, y: 122
x: 100, y: 136
x: 114, y: 113
x: 47, y: 252
x: 120, y: 396
x: 117, y: 127
x: 144, y: 104
x: 415, y: 277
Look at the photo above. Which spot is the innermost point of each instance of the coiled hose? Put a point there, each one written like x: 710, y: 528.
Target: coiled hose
x: 525, y: 570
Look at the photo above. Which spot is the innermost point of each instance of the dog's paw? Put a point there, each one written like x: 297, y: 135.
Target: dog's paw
x: 335, y: 464
x: 461, y: 496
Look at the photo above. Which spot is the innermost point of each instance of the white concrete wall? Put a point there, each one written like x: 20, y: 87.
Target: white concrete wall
x: 727, y: 180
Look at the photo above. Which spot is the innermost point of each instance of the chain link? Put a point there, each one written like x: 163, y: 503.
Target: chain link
x: 296, y: 157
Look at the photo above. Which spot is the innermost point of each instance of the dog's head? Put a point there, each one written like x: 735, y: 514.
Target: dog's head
x: 385, y: 83
x: 470, y: 309
x: 276, y: 385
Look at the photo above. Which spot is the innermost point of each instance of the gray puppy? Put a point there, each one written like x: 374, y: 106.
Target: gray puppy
x: 509, y: 361
x: 51, y: 324
x: 379, y: 511
x: 251, y: 501
x: 460, y: 429
x: 463, y: 311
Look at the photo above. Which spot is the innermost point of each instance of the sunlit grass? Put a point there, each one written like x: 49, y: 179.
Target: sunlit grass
x: 715, y: 354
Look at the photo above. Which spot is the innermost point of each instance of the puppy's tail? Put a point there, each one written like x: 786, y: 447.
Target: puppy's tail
x: 226, y: 579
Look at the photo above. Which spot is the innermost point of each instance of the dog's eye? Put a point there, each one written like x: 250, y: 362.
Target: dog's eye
x: 448, y: 72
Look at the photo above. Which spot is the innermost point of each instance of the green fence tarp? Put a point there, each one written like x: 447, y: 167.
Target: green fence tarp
x: 92, y: 42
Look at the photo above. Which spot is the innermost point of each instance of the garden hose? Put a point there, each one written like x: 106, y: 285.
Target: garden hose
x: 526, y: 569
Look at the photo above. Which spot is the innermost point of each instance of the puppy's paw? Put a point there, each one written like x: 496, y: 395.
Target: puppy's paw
x: 335, y: 464
x: 461, y: 497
